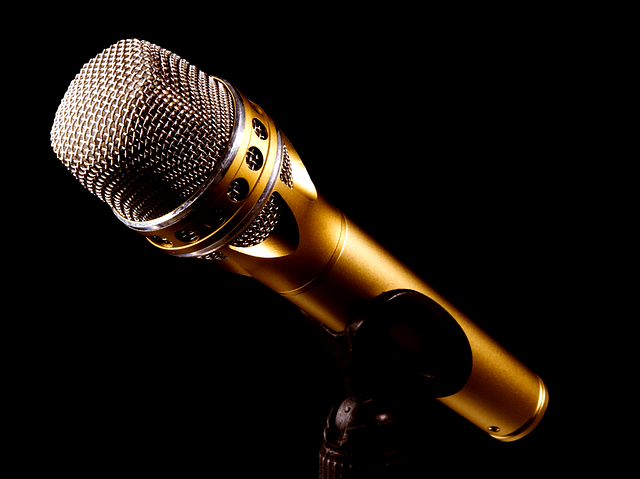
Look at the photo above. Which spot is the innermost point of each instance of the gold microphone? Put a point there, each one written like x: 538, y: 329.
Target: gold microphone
x: 186, y: 160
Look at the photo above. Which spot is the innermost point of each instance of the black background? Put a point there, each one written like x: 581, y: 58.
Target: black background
x: 452, y: 138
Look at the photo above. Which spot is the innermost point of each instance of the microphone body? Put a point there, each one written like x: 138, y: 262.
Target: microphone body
x: 260, y: 215
x: 325, y: 264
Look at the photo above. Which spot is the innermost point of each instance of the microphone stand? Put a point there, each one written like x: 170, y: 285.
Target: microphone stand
x: 403, y: 348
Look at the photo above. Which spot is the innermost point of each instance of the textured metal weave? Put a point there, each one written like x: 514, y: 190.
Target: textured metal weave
x: 286, y: 173
x: 261, y: 227
x: 142, y: 129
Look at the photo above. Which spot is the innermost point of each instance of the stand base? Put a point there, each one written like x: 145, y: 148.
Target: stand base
x: 364, y: 440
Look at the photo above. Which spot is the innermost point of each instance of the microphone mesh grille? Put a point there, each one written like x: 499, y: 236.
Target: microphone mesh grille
x: 142, y: 129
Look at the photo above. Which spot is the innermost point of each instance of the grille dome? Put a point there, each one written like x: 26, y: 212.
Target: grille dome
x: 142, y: 129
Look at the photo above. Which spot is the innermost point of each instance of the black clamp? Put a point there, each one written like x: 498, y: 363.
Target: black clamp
x: 403, y: 349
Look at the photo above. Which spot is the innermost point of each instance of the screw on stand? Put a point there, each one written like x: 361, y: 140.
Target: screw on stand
x: 363, y: 439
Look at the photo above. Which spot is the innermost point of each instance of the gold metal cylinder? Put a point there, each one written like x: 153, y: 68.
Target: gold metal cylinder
x: 502, y: 396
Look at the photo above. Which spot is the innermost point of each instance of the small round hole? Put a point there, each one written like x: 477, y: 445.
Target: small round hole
x: 214, y: 218
x: 238, y: 190
x: 254, y: 159
x: 160, y: 241
x: 187, y: 235
x: 259, y: 129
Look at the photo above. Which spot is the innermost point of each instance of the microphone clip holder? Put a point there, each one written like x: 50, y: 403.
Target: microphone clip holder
x: 402, y: 350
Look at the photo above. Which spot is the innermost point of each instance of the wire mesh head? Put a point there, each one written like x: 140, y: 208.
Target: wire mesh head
x: 142, y: 129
